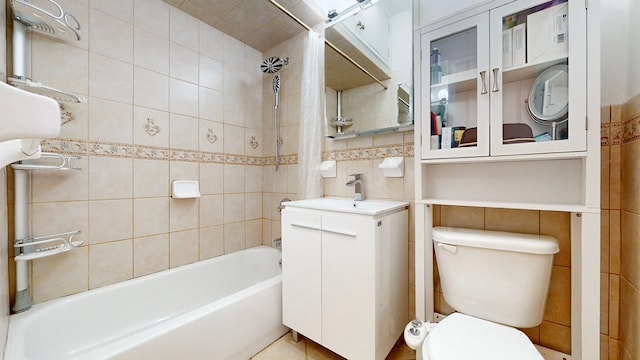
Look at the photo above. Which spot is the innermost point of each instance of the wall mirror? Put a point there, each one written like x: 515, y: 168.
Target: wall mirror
x: 368, y: 67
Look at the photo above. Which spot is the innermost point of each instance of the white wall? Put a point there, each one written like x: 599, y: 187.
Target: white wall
x: 633, y: 47
x: 401, y: 44
x: 615, y: 48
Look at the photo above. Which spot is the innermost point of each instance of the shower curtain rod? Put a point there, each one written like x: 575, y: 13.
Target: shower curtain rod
x: 328, y: 43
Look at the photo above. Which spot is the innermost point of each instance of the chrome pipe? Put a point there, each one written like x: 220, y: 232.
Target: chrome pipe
x: 19, y: 50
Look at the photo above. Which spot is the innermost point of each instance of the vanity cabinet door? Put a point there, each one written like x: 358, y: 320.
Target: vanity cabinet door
x: 348, y: 284
x: 301, y: 272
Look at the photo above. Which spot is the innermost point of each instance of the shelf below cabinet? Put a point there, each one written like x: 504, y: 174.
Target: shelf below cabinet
x: 577, y: 208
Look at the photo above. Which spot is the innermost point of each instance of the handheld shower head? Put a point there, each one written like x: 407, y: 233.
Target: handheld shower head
x: 273, y: 64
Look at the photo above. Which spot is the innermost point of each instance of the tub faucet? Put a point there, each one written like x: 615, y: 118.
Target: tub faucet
x: 357, y: 182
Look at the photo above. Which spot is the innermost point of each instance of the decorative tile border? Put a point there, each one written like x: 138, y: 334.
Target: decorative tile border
x: 110, y: 149
x: 81, y: 148
x: 605, y: 134
x: 374, y: 153
x: 631, y: 129
x: 209, y: 157
x: 184, y: 155
x: 151, y: 153
x: 75, y: 147
x: 61, y: 146
x: 611, y: 134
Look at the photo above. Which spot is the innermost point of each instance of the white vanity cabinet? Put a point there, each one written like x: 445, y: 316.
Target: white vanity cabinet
x: 476, y: 72
x: 344, y: 277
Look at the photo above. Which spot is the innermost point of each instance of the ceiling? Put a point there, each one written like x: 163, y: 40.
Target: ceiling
x: 256, y: 23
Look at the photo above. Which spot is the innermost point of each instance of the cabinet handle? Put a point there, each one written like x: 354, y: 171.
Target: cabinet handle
x: 305, y: 227
x: 339, y: 232
x: 483, y: 75
x: 309, y: 227
x: 495, y: 80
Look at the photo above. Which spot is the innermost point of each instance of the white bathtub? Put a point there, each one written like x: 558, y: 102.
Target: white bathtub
x: 228, y: 307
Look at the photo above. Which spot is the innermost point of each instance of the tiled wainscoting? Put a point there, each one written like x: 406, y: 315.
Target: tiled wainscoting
x: 629, y: 266
x: 167, y: 97
x: 610, y: 196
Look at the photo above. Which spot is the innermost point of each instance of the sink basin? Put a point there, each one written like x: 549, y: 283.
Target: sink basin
x: 347, y: 205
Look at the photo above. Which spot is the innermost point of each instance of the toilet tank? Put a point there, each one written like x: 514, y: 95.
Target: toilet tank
x: 493, y: 275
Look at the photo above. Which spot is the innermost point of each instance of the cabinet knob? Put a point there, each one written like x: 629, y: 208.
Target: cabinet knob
x: 495, y: 80
x: 483, y: 75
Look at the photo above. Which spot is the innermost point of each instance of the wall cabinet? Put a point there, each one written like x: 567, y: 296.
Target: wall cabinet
x: 478, y: 78
x: 476, y: 74
x: 344, y: 279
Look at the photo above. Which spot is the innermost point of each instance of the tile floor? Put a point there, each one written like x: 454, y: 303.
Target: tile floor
x: 286, y: 349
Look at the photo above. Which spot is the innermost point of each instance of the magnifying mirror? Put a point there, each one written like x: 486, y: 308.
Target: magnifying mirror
x: 548, y: 102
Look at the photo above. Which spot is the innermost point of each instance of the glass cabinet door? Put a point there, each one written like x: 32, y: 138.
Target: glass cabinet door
x: 532, y: 72
x: 455, y: 85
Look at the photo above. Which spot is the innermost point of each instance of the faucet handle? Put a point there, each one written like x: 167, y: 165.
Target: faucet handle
x: 357, y: 176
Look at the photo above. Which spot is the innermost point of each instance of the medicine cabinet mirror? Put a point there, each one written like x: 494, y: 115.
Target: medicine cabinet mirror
x: 368, y: 67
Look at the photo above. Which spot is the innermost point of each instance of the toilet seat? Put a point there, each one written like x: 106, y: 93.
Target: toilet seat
x: 463, y: 337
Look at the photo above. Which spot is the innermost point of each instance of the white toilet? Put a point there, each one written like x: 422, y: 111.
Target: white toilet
x: 496, y: 281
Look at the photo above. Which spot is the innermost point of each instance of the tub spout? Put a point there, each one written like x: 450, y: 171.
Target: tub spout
x: 357, y: 183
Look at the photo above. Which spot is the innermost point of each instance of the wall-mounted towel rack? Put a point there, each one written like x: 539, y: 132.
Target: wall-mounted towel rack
x: 56, y: 244
x: 63, y: 162
x: 41, y: 89
x: 53, y: 22
x: 57, y: 23
x: 31, y: 248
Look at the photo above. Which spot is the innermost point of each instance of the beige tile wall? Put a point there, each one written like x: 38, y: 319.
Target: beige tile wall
x: 611, y: 143
x: 629, y: 248
x: 283, y: 183
x: 167, y: 97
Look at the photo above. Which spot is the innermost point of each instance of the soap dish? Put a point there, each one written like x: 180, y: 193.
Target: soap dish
x: 185, y: 189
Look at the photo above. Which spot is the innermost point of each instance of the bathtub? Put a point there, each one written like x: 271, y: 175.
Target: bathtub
x: 229, y: 307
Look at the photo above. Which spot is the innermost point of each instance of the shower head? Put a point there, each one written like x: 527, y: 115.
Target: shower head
x: 273, y: 64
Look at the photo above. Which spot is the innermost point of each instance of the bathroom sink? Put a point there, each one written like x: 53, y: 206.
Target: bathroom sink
x: 347, y: 205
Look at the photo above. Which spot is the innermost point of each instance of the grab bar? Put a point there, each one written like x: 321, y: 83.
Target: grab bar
x: 62, y: 244
x: 65, y: 163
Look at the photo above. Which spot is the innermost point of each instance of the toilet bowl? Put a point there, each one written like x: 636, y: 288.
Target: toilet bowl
x: 464, y: 337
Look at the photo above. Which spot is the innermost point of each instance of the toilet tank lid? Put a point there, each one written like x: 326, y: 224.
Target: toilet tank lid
x: 497, y: 240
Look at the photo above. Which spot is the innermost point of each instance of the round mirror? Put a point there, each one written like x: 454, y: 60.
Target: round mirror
x: 549, y: 96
